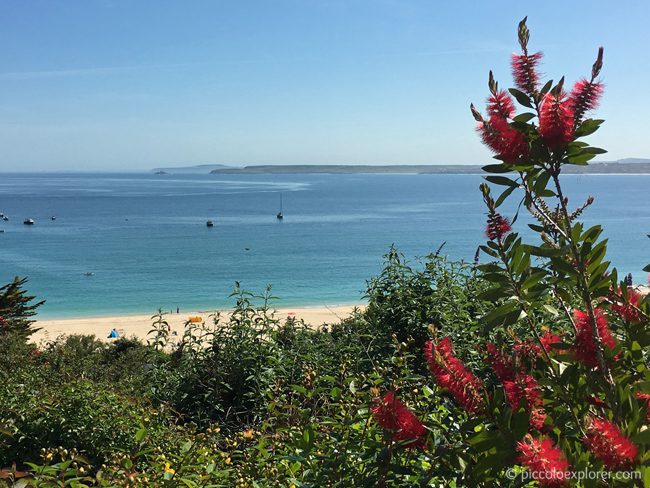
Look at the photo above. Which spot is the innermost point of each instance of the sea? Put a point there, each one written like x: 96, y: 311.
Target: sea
x: 105, y: 244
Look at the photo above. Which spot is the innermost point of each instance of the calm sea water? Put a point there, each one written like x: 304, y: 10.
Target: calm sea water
x: 145, y: 240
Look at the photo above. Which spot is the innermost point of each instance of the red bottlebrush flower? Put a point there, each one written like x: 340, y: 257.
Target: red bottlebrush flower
x: 556, y: 121
x: 544, y: 460
x: 35, y: 353
x: 501, y: 105
x: 597, y: 402
x: 537, y: 419
x: 584, y: 97
x: 503, y: 366
x: 393, y: 415
x: 584, y: 348
x: 606, y: 441
x: 497, y: 227
x: 548, y: 339
x: 527, y: 349
x: 450, y: 373
x: 525, y: 387
x: 518, y: 386
x: 512, y: 143
x: 628, y: 310
x: 508, y: 143
x: 524, y: 71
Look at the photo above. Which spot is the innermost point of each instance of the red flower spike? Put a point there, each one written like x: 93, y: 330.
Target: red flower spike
x: 527, y: 349
x: 518, y: 385
x: 597, y: 402
x: 497, y: 227
x: 556, y: 120
x: 524, y: 71
x: 511, y: 145
x: 584, y: 97
x: 450, y: 373
x: 548, y: 339
x: 508, y: 143
x: 501, y: 105
x: 584, y: 347
x: 525, y: 388
x: 393, y: 415
x: 544, y: 460
x: 606, y: 441
x: 628, y: 310
x: 503, y: 366
x: 537, y: 419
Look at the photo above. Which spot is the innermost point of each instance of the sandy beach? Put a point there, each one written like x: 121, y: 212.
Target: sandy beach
x: 139, y: 325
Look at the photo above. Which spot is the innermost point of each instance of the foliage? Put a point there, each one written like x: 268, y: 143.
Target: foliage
x: 16, y: 310
x: 507, y: 372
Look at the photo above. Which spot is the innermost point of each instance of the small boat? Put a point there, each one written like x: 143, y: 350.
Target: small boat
x: 209, y: 223
x: 28, y: 222
x: 280, y: 215
x: 89, y: 273
x: 53, y: 217
x: 5, y: 218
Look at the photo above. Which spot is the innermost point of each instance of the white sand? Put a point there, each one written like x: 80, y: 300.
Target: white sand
x: 140, y: 325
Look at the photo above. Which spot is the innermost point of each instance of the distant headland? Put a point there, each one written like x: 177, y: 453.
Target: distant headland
x: 622, y: 166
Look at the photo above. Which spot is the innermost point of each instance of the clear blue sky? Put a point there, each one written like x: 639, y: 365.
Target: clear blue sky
x: 112, y: 84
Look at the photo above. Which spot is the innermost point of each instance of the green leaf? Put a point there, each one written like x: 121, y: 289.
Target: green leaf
x: 544, y: 252
x: 139, y: 435
x: 525, y: 117
x: 501, y: 180
x: 497, y: 168
x: 642, y: 437
x: 504, y: 195
x: 521, y: 97
x: 489, y: 251
x: 545, y: 89
x: 551, y: 309
x: 589, y: 126
x: 580, y: 159
x: 500, y: 312
x: 594, y: 150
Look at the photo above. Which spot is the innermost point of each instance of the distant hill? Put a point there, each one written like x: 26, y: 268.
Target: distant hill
x: 199, y: 168
x: 350, y: 169
x: 632, y: 161
x: 620, y: 167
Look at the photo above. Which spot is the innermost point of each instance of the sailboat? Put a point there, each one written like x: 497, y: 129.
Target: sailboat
x: 280, y: 215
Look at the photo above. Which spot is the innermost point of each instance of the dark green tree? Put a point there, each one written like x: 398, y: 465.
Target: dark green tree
x: 16, y: 310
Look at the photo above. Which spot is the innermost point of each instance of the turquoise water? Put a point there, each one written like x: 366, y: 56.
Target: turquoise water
x: 144, y: 236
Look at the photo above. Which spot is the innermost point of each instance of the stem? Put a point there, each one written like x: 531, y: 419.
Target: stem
x: 532, y: 326
x: 583, y: 285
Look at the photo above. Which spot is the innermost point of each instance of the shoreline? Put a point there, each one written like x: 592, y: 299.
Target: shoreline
x: 275, y: 305
x: 139, y: 325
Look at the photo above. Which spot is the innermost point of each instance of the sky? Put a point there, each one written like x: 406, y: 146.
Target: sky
x: 90, y: 85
